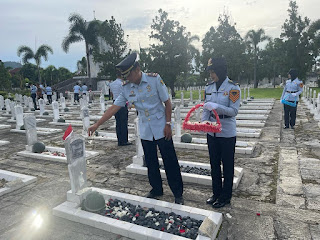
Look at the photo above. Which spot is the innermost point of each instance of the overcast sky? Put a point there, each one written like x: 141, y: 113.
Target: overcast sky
x: 36, y: 22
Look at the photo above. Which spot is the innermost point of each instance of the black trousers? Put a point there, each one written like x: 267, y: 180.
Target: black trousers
x: 290, y: 114
x: 76, y: 97
x: 170, y: 162
x: 222, y: 150
x: 34, y: 97
x: 122, y: 125
x: 49, y: 98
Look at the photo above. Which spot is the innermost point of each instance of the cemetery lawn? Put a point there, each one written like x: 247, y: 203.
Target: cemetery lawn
x: 265, y: 92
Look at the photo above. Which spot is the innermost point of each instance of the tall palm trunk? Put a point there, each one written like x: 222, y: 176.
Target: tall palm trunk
x: 39, y: 76
x: 255, y: 68
x: 88, y: 62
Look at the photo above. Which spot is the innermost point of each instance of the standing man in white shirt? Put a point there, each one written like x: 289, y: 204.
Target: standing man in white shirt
x: 76, y: 91
x: 122, y: 115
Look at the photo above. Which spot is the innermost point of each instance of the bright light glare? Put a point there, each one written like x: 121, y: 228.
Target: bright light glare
x: 37, y: 222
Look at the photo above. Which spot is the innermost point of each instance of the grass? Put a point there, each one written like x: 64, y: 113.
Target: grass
x: 254, y: 92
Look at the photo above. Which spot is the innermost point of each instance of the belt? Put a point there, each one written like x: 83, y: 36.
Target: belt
x: 221, y: 116
x: 292, y: 91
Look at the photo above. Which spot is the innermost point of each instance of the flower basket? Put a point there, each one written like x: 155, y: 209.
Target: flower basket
x: 205, y: 126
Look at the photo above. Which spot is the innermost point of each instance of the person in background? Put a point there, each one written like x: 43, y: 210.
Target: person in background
x: 39, y: 91
x: 122, y: 115
x: 84, y: 89
x: 33, y: 90
x: 292, y: 89
x: 222, y: 95
x: 76, y: 91
x: 148, y: 93
x: 49, y: 93
x: 42, y: 90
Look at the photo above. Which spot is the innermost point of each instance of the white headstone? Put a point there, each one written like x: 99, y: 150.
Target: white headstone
x: 248, y: 92
x: 19, y: 116
x: 45, y: 98
x: 30, y: 104
x: 177, y: 122
x: 85, y: 121
x: 54, y: 96
x: 77, y: 167
x: 182, y: 98
x: 191, y: 96
x: 13, y: 112
x: 61, y: 95
x: 30, y: 124
x: 63, y: 102
x: 138, y: 159
x: 41, y: 106
x: 1, y: 102
x: 102, y: 105
x: 199, y: 94
x: 72, y: 99
x: 55, y: 107
x: 25, y: 100
x: 7, y: 103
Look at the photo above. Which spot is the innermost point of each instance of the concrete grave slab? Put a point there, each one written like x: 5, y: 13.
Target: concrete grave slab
x: 110, y: 136
x: 201, y: 144
x: 3, y: 142
x: 17, y: 181
x: 3, y: 126
x: 40, y: 131
x: 188, y: 177
x: 75, y: 123
x: 70, y: 210
x: 46, y: 156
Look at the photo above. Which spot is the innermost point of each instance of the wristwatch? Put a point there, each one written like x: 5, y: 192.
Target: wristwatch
x: 168, y: 123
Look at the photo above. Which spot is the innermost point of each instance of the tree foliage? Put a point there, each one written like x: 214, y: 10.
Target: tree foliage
x: 297, y: 47
x: 4, y: 77
x: 174, y: 52
x: 113, y: 35
x: 225, y: 41
x: 253, y: 38
x: 28, y: 54
x: 80, y: 30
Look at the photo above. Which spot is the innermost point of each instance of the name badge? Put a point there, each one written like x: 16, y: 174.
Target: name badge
x: 208, y: 93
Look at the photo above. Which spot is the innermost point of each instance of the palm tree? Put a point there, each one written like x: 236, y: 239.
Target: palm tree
x: 80, y: 30
x: 42, y: 51
x: 253, y: 38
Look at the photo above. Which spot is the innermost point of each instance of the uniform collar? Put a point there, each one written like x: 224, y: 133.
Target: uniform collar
x: 223, y: 85
x: 143, y: 79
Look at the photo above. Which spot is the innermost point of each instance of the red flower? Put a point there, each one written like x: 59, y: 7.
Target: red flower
x: 182, y: 231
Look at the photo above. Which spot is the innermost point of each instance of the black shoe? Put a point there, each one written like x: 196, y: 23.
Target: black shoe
x: 221, y: 203
x: 285, y: 127
x: 292, y: 127
x: 179, y: 200
x: 125, y: 144
x: 153, y: 195
x: 212, y: 199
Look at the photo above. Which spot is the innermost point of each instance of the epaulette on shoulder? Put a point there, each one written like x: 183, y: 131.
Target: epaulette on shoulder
x: 209, y: 83
x: 152, y: 74
x: 125, y: 83
x: 232, y: 82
